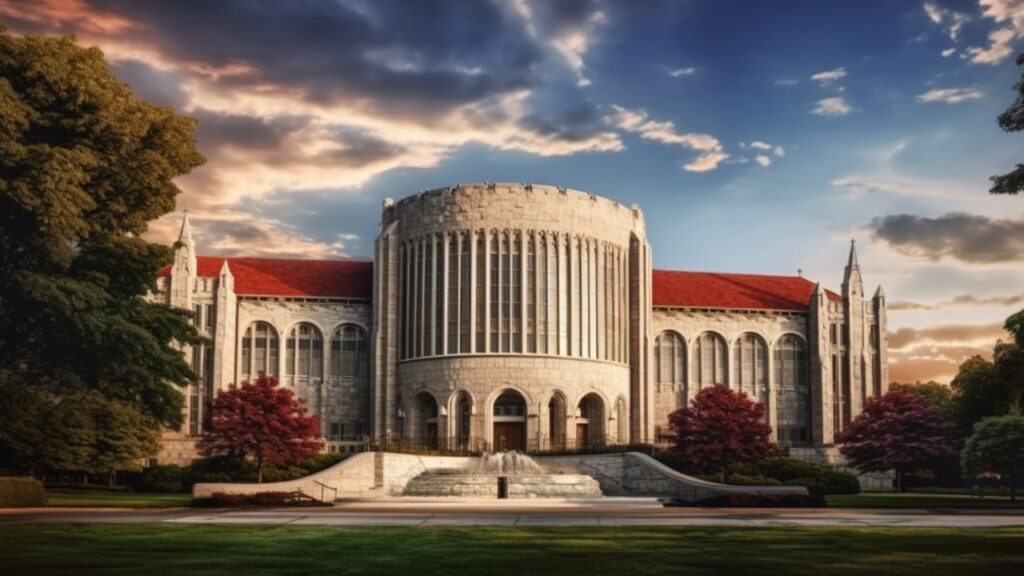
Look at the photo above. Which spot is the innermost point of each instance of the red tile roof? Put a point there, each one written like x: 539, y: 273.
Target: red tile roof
x: 278, y: 277
x: 743, y: 291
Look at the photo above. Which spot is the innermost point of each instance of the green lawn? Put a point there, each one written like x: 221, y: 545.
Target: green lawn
x: 156, y: 550
x: 110, y: 499
x: 908, y: 500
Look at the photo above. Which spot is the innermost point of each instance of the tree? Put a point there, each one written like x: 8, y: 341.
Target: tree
x: 997, y: 445
x: 1015, y: 326
x: 721, y: 428
x: 85, y: 166
x: 899, y: 431
x: 87, y: 433
x: 932, y: 392
x: 1012, y: 120
x: 260, y: 421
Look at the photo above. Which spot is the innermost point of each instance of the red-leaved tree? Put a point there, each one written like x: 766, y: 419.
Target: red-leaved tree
x: 258, y: 420
x: 722, y: 427
x: 900, y: 431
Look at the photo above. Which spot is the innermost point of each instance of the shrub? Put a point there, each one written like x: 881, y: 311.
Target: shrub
x: 836, y: 482
x: 763, y: 501
x: 270, y: 498
x: 743, y: 480
x: 324, y: 461
x: 814, y: 487
x: 164, y: 478
x: 785, y: 469
x: 21, y: 492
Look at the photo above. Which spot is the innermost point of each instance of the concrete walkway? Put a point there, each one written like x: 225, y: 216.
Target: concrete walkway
x: 467, y: 512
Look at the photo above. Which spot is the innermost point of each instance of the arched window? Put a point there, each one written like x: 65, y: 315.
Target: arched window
x: 670, y: 359
x: 304, y: 354
x: 750, y: 367
x: 793, y: 391
x: 349, y: 357
x: 710, y: 356
x: 259, y: 351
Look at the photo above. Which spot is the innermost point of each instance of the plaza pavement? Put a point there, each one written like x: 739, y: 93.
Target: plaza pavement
x: 596, y: 512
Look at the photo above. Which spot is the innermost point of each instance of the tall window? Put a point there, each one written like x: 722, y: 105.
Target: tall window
x: 542, y: 295
x: 506, y: 294
x: 710, y: 355
x: 750, y: 367
x: 552, y: 298
x: 439, y: 295
x: 531, y: 294
x: 670, y: 359
x: 453, y: 294
x: 495, y: 316
x: 304, y: 354
x: 349, y: 358
x: 464, y: 292
x: 793, y: 391
x: 516, y: 301
x: 428, y: 304
x: 481, y: 294
x: 259, y: 350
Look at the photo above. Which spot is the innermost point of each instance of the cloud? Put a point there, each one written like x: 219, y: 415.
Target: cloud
x: 758, y: 145
x: 678, y: 72
x: 948, y: 52
x: 763, y: 152
x: 1009, y: 13
x: 829, y: 76
x: 954, y: 20
x: 960, y: 301
x: 969, y: 238
x: 763, y: 160
x: 779, y: 151
x: 1000, y: 46
x: 857, y: 185
x: 951, y: 95
x: 711, y: 152
x: 935, y: 352
x: 786, y: 82
x: 308, y: 97
x: 833, y: 107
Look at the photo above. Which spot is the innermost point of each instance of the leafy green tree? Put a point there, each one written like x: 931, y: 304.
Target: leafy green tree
x: 1012, y: 120
x: 84, y: 166
x: 997, y: 445
x: 1015, y: 325
x: 932, y: 392
x: 979, y: 392
x: 125, y: 439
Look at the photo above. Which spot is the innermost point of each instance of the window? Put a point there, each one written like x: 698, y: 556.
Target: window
x: 428, y: 304
x: 750, y: 367
x: 439, y: 296
x: 259, y: 351
x: 793, y: 391
x: 495, y: 291
x: 349, y: 358
x: 453, y: 294
x: 670, y: 359
x: 516, y: 301
x: 481, y: 292
x: 531, y: 294
x: 464, y: 293
x: 304, y: 354
x: 710, y: 355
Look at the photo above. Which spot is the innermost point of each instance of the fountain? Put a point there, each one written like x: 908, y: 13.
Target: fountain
x: 523, y: 477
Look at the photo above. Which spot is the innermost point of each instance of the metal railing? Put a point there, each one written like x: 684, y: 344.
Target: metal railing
x: 323, y: 489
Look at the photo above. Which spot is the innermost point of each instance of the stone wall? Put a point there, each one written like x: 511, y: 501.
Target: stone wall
x: 375, y: 474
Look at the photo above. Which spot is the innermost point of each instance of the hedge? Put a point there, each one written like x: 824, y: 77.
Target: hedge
x: 223, y: 500
x: 21, y: 492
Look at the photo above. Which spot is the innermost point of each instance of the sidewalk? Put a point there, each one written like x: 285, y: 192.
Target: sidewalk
x: 596, y: 512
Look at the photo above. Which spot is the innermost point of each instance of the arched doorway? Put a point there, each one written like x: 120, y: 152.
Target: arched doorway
x: 463, y: 412
x: 590, y: 422
x: 424, y: 422
x: 510, y: 422
x: 556, y: 422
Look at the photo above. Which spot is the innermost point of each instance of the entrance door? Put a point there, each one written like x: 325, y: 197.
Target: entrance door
x: 581, y: 435
x: 432, y: 435
x: 510, y: 436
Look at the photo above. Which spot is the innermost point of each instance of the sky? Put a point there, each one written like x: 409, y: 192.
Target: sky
x: 757, y: 137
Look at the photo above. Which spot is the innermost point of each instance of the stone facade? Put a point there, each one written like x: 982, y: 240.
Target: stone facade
x: 522, y: 316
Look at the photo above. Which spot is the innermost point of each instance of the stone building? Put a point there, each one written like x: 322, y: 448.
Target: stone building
x: 517, y: 316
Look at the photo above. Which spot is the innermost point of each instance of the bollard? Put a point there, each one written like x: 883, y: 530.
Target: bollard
x: 502, y: 487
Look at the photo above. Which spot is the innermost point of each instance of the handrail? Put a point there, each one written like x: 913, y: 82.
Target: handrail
x: 323, y: 487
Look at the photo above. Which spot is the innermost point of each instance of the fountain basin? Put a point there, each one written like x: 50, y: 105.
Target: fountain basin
x: 453, y: 484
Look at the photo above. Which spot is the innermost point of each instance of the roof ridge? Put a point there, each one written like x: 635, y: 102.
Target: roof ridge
x: 794, y: 276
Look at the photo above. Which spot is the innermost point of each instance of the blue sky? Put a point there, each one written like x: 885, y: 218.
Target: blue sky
x: 756, y: 136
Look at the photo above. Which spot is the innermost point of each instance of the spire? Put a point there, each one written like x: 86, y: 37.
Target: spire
x: 185, y: 236
x: 851, y: 276
x: 879, y: 293
x: 852, y: 261
x: 225, y: 270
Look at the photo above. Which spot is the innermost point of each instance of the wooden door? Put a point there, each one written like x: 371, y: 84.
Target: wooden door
x: 581, y: 435
x: 509, y: 436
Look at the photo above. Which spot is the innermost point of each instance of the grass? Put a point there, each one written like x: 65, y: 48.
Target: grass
x: 156, y: 550
x: 74, y: 498
x: 892, y: 500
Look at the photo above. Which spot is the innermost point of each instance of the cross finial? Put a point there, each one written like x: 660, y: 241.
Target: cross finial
x: 800, y: 272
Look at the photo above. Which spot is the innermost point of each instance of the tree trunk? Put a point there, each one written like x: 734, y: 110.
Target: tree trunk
x: 111, y: 479
x: 259, y: 470
x: 899, y: 482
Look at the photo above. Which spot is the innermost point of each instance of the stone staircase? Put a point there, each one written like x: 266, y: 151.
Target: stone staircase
x: 519, y: 486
